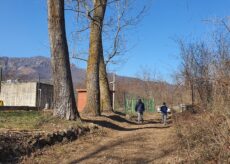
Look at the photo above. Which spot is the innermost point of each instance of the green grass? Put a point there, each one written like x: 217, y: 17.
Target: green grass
x: 32, y: 120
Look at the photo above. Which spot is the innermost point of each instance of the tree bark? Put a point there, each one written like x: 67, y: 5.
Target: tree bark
x: 95, y: 49
x: 106, y: 102
x: 64, y: 99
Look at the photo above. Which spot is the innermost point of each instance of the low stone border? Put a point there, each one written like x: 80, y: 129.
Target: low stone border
x: 13, y: 145
x: 39, y: 141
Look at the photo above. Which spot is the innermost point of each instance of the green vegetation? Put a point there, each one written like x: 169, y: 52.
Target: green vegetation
x: 32, y: 120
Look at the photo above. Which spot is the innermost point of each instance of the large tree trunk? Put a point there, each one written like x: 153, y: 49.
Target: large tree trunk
x: 106, y: 103
x: 95, y: 49
x: 64, y: 99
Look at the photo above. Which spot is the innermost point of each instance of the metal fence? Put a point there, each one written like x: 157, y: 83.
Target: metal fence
x: 131, y: 103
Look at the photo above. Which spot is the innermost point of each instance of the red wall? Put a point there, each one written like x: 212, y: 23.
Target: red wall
x: 81, y: 99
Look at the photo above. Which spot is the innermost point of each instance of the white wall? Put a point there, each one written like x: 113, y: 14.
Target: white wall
x: 18, y: 94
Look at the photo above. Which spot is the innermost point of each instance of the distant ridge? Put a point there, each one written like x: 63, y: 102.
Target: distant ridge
x: 38, y: 68
x: 34, y: 69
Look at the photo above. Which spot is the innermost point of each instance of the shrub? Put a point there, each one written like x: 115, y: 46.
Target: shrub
x: 204, y: 137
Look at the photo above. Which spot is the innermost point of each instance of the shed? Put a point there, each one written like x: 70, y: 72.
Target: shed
x: 31, y: 94
x: 82, y: 99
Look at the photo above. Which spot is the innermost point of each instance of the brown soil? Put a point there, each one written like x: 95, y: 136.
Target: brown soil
x: 117, y: 140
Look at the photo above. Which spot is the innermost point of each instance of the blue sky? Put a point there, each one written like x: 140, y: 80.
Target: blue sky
x: 24, y: 32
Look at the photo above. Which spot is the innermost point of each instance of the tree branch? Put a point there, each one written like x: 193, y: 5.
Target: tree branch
x: 80, y: 58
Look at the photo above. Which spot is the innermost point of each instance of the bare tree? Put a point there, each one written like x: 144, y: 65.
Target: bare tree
x: 106, y: 102
x: 114, y: 26
x: 221, y: 62
x: 206, y: 70
x: 196, y: 58
x: 149, y: 77
x: 95, y: 52
x: 64, y: 100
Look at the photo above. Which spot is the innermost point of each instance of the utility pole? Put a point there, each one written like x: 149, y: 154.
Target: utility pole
x: 114, y: 91
x: 113, y: 82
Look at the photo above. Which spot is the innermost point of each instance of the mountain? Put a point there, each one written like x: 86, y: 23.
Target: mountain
x: 39, y: 69
x: 34, y: 69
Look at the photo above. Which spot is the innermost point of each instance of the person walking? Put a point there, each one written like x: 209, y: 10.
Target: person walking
x: 164, y: 112
x: 140, y: 108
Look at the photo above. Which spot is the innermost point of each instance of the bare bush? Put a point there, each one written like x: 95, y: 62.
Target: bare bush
x: 204, y: 137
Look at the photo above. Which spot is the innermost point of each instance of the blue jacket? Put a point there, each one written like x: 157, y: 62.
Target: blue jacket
x: 140, y: 107
x: 164, y: 109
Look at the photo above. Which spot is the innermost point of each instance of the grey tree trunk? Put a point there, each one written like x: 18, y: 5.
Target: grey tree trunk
x: 95, y: 49
x: 64, y: 99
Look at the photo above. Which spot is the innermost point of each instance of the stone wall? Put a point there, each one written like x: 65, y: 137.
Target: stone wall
x: 14, y: 145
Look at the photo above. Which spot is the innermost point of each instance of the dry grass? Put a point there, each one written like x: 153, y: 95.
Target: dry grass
x: 204, y: 137
x: 33, y: 120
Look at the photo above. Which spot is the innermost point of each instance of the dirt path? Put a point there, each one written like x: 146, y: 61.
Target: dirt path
x: 116, y: 141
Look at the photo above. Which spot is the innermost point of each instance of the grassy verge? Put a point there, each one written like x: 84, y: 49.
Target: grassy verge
x: 33, y: 120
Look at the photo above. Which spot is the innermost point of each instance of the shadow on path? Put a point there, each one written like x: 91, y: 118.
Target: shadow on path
x: 120, y: 119
x: 102, y: 148
x: 113, y: 126
x: 109, y: 146
x: 119, y: 113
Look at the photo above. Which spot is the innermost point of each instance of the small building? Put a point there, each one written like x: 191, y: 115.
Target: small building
x: 32, y: 94
x: 82, y: 99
